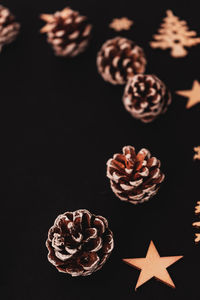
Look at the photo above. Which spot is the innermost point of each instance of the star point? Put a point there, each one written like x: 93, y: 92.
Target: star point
x: 153, y: 266
x: 193, y: 95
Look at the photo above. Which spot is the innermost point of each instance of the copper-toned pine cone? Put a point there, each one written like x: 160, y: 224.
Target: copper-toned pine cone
x: 134, y: 177
x: 146, y: 97
x: 9, y: 28
x: 119, y: 59
x: 67, y: 31
x: 79, y: 242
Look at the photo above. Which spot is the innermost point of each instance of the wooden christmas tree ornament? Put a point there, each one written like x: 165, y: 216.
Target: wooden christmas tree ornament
x: 174, y: 34
x: 197, y: 224
x: 153, y: 266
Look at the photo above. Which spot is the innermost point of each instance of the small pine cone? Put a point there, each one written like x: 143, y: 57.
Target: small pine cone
x: 134, y: 177
x: 79, y: 243
x: 119, y: 59
x: 146, y: 97
x: 9, y: 29
x: 67, y: 31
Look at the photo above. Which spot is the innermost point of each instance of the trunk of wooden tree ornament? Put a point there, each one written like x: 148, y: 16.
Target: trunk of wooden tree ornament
x: 178, y: 51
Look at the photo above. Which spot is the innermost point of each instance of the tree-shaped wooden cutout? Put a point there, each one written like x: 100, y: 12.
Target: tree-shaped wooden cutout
x: 174, y: 34
x: 197, y: 224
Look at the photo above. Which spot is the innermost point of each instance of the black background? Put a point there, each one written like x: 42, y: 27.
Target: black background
x: 61, y: 123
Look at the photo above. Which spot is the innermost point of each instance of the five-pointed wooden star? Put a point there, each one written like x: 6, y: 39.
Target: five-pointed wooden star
x: 193, y: 94
x: 153, y: 266
x: 197, y: 154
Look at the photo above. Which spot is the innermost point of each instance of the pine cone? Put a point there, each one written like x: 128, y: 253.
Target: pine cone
x: 67, y: 31
x: 79, y: 242
x: 119, y: 59
x: 9, y: 29
x: 134, y: 177
x: 146, y: 97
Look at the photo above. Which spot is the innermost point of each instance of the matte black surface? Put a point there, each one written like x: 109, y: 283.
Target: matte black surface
x: 61, y: 124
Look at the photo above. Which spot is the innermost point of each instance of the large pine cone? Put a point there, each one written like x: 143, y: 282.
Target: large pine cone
x: 67, y: 31
x: 79, y: 242
x: 146, y: 97
x: 134, y: 177
x: 119, y: 59
x: 9, y: 29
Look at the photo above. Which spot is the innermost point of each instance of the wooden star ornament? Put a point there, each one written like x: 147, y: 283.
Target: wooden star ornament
x: 193, y: 95
x: 197, y: 154
x: 153, y: 266
x: 121, y: 24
